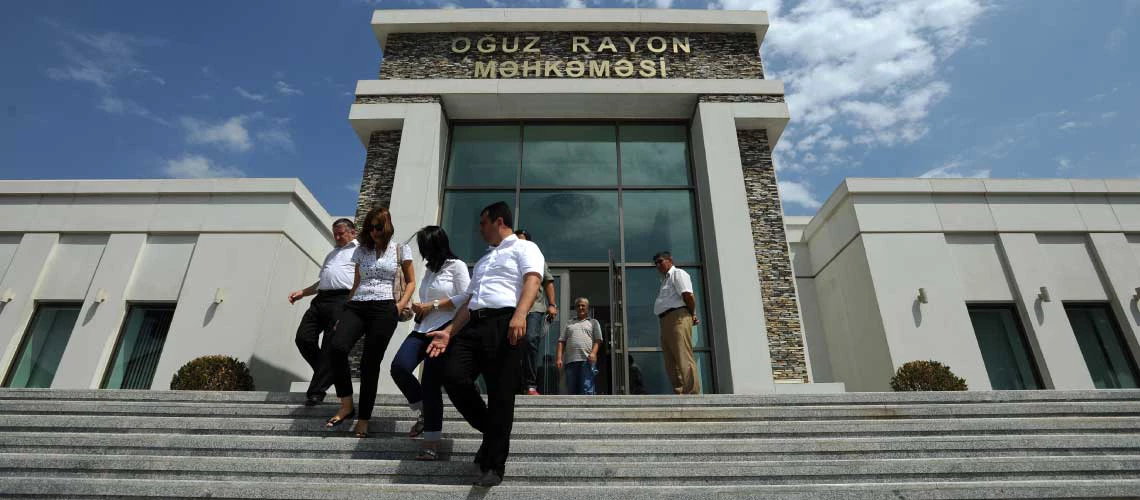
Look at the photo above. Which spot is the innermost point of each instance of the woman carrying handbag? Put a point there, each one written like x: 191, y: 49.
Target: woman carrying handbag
x: 381, y: 291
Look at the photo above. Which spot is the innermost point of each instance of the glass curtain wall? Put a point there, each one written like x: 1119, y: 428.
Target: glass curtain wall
x: 1102, y: 345
x: 582, y: 190
x: 1005, y: 350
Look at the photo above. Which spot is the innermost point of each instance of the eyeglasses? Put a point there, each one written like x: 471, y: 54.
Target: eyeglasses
x: 658, y: 262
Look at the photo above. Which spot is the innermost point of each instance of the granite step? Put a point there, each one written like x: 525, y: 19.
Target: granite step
x: 75, y: 488
x: 538, y: 450
x: 312, y: 471
x: 570, y: 430
x: 560, y: 414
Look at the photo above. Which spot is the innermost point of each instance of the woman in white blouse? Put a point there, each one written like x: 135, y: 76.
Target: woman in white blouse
x: 443, y: 286
x: 372, y: 311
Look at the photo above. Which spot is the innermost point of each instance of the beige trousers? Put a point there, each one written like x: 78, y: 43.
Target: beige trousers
x: 677, y: 346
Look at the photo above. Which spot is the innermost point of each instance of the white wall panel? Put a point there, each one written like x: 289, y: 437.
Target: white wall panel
x: 71, y: 267
x: 1072, y: 267
x: 978, y: 266
x: 8, y: 245
x: 161, y: 268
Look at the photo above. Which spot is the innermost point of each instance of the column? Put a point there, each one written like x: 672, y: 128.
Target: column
x: 22, y: 278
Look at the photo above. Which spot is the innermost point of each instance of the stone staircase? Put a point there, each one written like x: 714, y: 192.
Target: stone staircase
x: 1030, y: 444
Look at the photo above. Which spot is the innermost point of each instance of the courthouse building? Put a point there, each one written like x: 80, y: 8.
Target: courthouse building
x: 613, y: 134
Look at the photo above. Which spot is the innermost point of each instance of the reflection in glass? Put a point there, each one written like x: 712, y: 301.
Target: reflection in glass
x: 569, y: 155
x: 654, y: 155
x: 657, y: 221
x: 648, y: 371
x: 571, y: 226
x: 643, y: 326
x: 1004, y: 350
x: 1103, y: 348
x: 140, y: 346
x: 461, y: 220
x: 43, y: 346
x: 484, y: 155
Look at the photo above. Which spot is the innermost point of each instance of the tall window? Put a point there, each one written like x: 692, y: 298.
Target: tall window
x: 42, y: 347
x: 583, y: 190
x: 1005, y: 350
x: 139, y: 347
x: 1102, y: 345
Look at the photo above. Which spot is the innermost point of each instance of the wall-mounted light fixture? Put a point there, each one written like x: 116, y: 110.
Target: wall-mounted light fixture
x: 1043, y: 294
x: 101, y: 295
x: 7, y: 296
x: 1137, y: 294
x: 922, y: 298
x: 219, y: 295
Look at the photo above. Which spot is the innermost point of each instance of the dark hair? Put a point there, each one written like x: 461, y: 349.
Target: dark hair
x: 499, y: 210
x: 524, y: 234
x: 434, y: 246
x: 386, y: 229
x: 345, y: 222
x: 662, y: 255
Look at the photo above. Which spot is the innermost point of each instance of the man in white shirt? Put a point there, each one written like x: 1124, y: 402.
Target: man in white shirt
x: 331, y: 291
x: 486, y: 338
x: 676, y: 308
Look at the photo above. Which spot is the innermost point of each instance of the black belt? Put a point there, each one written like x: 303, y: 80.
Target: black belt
x: 667, y: 311
x: 332, y: 293
x: 491, y: 313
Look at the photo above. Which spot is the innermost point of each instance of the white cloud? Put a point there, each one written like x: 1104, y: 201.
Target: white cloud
x: 277, y: 135
x: 250, y: 95
x: 797, y: 193
x: 1073, y: 124
x: 1108, y: 115
x: 285, y: 89
x: 574, y: 4
x: 198, y: 167
x: 102, y: 58
x: 663, y: 4
x: 1063, y: 165
x: 118, y: 106
x: 953, y: 170
x: 230, y: 134
x: 203, y: 97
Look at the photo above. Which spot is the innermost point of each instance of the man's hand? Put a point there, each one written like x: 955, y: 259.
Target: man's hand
x: 592, y: 358
x: 551, y: 312
x: 517, y: 330
x: 295, y: 296
x: 696, y: 320
x: 558, y: 363
x: 421, y: 309
x: 438, y: 345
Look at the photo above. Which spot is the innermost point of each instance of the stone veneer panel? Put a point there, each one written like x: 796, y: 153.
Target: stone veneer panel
x: 777, y: 283
x: 712, y: 55
x: 375, y: 190
x: 389, y: 99
x: 740, y: 98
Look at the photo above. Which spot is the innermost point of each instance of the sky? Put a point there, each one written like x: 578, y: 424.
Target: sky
x: 876, y: 88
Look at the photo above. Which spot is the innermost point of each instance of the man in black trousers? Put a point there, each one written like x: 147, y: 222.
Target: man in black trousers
x: 488, y: 333
x: 332, y: 289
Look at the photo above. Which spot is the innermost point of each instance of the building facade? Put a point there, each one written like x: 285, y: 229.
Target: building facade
x: 613, y: 134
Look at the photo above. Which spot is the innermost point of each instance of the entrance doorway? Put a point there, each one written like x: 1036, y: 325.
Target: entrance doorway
x: 569, y: 284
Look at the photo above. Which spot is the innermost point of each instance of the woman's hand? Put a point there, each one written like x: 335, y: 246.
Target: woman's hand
x: 438, y: 345
x: 558, y: 363
x: 421, y: 309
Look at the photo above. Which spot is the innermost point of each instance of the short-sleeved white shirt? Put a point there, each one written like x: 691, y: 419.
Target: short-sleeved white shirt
x: 675, y: 282
x: 449, y: 283
x: 499, y: 274
x: 377, y: 272
x: 338, y: 268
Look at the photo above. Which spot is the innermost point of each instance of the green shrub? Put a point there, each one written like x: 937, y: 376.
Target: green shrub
x: 926, y: 376
x: 213, y: 373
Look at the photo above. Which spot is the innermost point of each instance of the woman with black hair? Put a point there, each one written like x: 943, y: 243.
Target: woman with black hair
x: 444, y: 284
x: 372, y: 311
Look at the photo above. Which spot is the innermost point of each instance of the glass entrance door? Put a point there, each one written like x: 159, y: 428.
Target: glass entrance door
x: 593, y: 284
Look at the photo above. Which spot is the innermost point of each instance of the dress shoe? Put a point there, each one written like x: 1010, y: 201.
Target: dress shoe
x: 314, y: 400
x: 488, y: 479
x: 532, y: 392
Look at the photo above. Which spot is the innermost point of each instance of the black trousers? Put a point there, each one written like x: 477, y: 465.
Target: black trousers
x: 482, y: 348
x: 375, y: 320
x: 322, y: 314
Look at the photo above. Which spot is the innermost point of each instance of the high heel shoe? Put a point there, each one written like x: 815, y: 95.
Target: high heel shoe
x: 337, y: 419
x: 359, y: 433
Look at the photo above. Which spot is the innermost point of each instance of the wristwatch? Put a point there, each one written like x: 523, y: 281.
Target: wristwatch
x: 435, y: 304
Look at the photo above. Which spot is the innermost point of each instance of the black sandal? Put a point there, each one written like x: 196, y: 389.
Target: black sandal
x: 428, y: 452
x: 337, y: 419
x: 418, y: 427
x: 356, y: 430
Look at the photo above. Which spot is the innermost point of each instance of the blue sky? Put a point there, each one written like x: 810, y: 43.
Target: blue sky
x: 877, y: 88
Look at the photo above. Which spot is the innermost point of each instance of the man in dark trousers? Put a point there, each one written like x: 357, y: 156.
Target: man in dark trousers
x: 331, y: 289
x: 486, y: 338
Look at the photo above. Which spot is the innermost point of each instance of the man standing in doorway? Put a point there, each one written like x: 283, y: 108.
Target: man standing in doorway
x: 541, y: 314
x: 488, y: 333
x: 331, y: 289
x: 676, y: 308
x: 578, y: 350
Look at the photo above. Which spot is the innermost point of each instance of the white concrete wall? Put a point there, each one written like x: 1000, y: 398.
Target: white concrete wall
x: 741, y: 342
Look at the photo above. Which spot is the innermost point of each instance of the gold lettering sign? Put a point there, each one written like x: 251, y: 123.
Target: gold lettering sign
x: 625, y: 67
